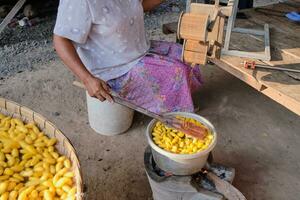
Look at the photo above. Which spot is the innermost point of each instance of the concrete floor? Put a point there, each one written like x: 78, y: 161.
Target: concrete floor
x: 258, y: 137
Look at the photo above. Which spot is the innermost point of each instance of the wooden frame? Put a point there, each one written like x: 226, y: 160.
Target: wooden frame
x: 199, y: 45
x: 276, y: 95
x: 285, y: 54
x: 266, y: 56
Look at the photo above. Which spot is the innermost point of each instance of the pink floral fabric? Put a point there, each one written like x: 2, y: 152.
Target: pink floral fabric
x: 160, y: 82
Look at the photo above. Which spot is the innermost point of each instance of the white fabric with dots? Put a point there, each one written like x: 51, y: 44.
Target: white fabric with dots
x: 108, y: 35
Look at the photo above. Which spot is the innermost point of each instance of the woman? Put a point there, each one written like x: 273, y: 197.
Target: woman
x: 104, y: 44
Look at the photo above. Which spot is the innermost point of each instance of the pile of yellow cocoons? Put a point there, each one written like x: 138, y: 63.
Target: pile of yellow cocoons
x: 177, y: 142
x: 30, y: 166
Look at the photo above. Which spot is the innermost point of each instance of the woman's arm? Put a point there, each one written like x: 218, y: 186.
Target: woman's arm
x: 66, y: 51
x: 150, y: 4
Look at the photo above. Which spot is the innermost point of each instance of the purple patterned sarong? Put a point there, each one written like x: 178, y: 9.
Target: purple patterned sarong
x: 160, y: 82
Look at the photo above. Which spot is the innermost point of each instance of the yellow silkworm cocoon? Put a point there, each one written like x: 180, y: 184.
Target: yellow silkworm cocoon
x: 11, y: 185
x: 30, y: 166
x: 13, y: 195
x: 4, y: 177
x: 8, y: 172
x: 4, y: 196
x: 67, y: 163
x: 3, y: 187
x: 177, y: 142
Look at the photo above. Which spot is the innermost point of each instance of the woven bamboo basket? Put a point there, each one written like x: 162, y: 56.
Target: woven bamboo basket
x: 63, y: 145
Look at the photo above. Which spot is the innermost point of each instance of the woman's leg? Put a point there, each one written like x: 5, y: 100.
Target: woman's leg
x: 174, y: 51
x: 160, y: 82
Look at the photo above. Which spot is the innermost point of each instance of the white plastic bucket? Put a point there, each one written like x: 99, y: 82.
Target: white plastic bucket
x: 181, y: 164
x: 108, y: 119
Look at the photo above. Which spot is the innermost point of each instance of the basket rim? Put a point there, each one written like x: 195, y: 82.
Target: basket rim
x: 18, y: 107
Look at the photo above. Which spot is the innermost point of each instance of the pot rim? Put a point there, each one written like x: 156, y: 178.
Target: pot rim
x: 199, y: 118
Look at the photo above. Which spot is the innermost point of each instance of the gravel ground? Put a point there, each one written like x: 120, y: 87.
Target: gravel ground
x: 28, y: 48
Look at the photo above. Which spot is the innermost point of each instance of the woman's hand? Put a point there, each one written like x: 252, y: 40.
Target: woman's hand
x: 66, y: 51
x: 97, y: 88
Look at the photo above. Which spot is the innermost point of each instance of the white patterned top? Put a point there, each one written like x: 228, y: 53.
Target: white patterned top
x: 108, y: 35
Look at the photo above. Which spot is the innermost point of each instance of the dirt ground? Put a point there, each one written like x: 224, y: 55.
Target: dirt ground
x: 257, y: 136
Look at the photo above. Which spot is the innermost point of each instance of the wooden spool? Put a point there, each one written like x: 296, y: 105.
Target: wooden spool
x: 202, y: 30
x: 63, y: 145
x: 194, y: 52
x: 193, y: 26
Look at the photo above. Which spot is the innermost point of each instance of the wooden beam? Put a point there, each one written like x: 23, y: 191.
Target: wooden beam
x: 209, y: 9
x: 280, y: 97
x: 11, y: 14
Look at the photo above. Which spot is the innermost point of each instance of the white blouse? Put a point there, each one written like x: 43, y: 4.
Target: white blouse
x: 108, y: 35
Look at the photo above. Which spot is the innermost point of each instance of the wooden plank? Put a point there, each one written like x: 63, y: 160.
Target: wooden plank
x: 2, y: 102
x: 259, y: 3
x: 27, y: 113
x: 40, y: 120
x: 200, y: 8
x: 274, y: 79
x: 209, y: 9
x: 276, y: 85
x: 237, y: 73
x: 267, y: 41
x: 281, y: 98
x: 288, y: 96
x: 49, y: 128
x: 12, y: 107
x: 220, y: 37
x: 217, y: 34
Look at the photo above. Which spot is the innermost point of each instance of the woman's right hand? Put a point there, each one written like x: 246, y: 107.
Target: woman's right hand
x: 95, y: 87
x: 98, y: 88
